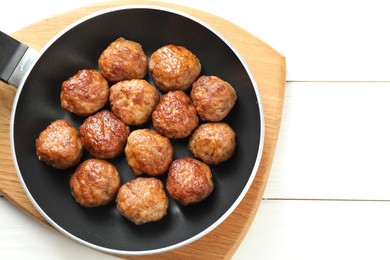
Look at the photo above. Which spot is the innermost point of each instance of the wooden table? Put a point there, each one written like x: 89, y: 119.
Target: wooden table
x: 327, y: 195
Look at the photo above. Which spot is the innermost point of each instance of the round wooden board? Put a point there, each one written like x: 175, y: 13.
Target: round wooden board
x: 269, y: 70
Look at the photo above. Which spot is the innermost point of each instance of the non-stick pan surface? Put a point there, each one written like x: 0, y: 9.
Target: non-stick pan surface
x: 37, y: 105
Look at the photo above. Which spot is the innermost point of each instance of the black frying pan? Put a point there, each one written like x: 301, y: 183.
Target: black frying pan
x: 37, y: 105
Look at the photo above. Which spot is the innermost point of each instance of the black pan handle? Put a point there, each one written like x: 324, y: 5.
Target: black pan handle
x: 15, y: 59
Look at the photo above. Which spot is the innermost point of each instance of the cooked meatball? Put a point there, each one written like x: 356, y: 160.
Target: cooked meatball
x: 84, y: 93
x: 175, y: 116
x: 148, y: 152
x: 213, y: 143
x: 142, y: 200
x: 133, y: 101
x: 95, y: 183
x: 59, y: 145
x: 189, y: 181
x: 174, y: 68
x: 123, y: 59
x: 104, y: 135
x: 213, y: 98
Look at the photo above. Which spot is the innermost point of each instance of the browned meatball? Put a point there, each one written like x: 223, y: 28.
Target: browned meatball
x: 142, y: 200
x: 104, y: 135
x: 133, y: 101
x: 148, y: 152
x: 213, y: 143
x: 59, y: 145
x: 189, y: 181
x: 175, y: 116
x: 84, y: 93
x: 174, y: 68
x: 213, y: 98
x: 123, y: 59
x: 95, y: 183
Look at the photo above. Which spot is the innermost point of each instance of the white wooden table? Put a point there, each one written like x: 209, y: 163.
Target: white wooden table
x: 328, y: 195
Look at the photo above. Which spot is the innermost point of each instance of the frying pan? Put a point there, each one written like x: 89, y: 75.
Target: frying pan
x: 39, y: 78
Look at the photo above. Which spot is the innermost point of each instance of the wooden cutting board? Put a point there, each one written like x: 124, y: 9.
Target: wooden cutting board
x: 267, y: 66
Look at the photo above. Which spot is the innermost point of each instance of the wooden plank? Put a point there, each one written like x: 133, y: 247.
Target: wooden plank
x: 353, y: 164
x: 268, y: 68
x: 319, y: 229
x: 23, y: 238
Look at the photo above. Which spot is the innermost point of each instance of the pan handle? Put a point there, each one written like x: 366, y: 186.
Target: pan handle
x: 15, y: 59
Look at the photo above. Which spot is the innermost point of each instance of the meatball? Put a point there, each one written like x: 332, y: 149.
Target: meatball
x: 59, y: 145
x: 148, y: 152
x: 84, y: 93
x: 189, y: 181
x: 133, y: 101
x: 94, y: 183
x: 142, y: 200
x: 174, y: 68
x: 213, y: 98
x: 104, y: 135
x: 123, y: 59
x: 175, y: 116
x: 213, y: 143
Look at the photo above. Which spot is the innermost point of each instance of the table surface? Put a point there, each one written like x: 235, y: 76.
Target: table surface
x: 327, y: 196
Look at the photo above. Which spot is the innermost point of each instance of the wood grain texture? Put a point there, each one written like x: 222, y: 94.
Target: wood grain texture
x: 268, y: 69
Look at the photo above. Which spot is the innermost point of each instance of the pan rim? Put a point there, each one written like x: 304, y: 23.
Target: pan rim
x: 184, y: 242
